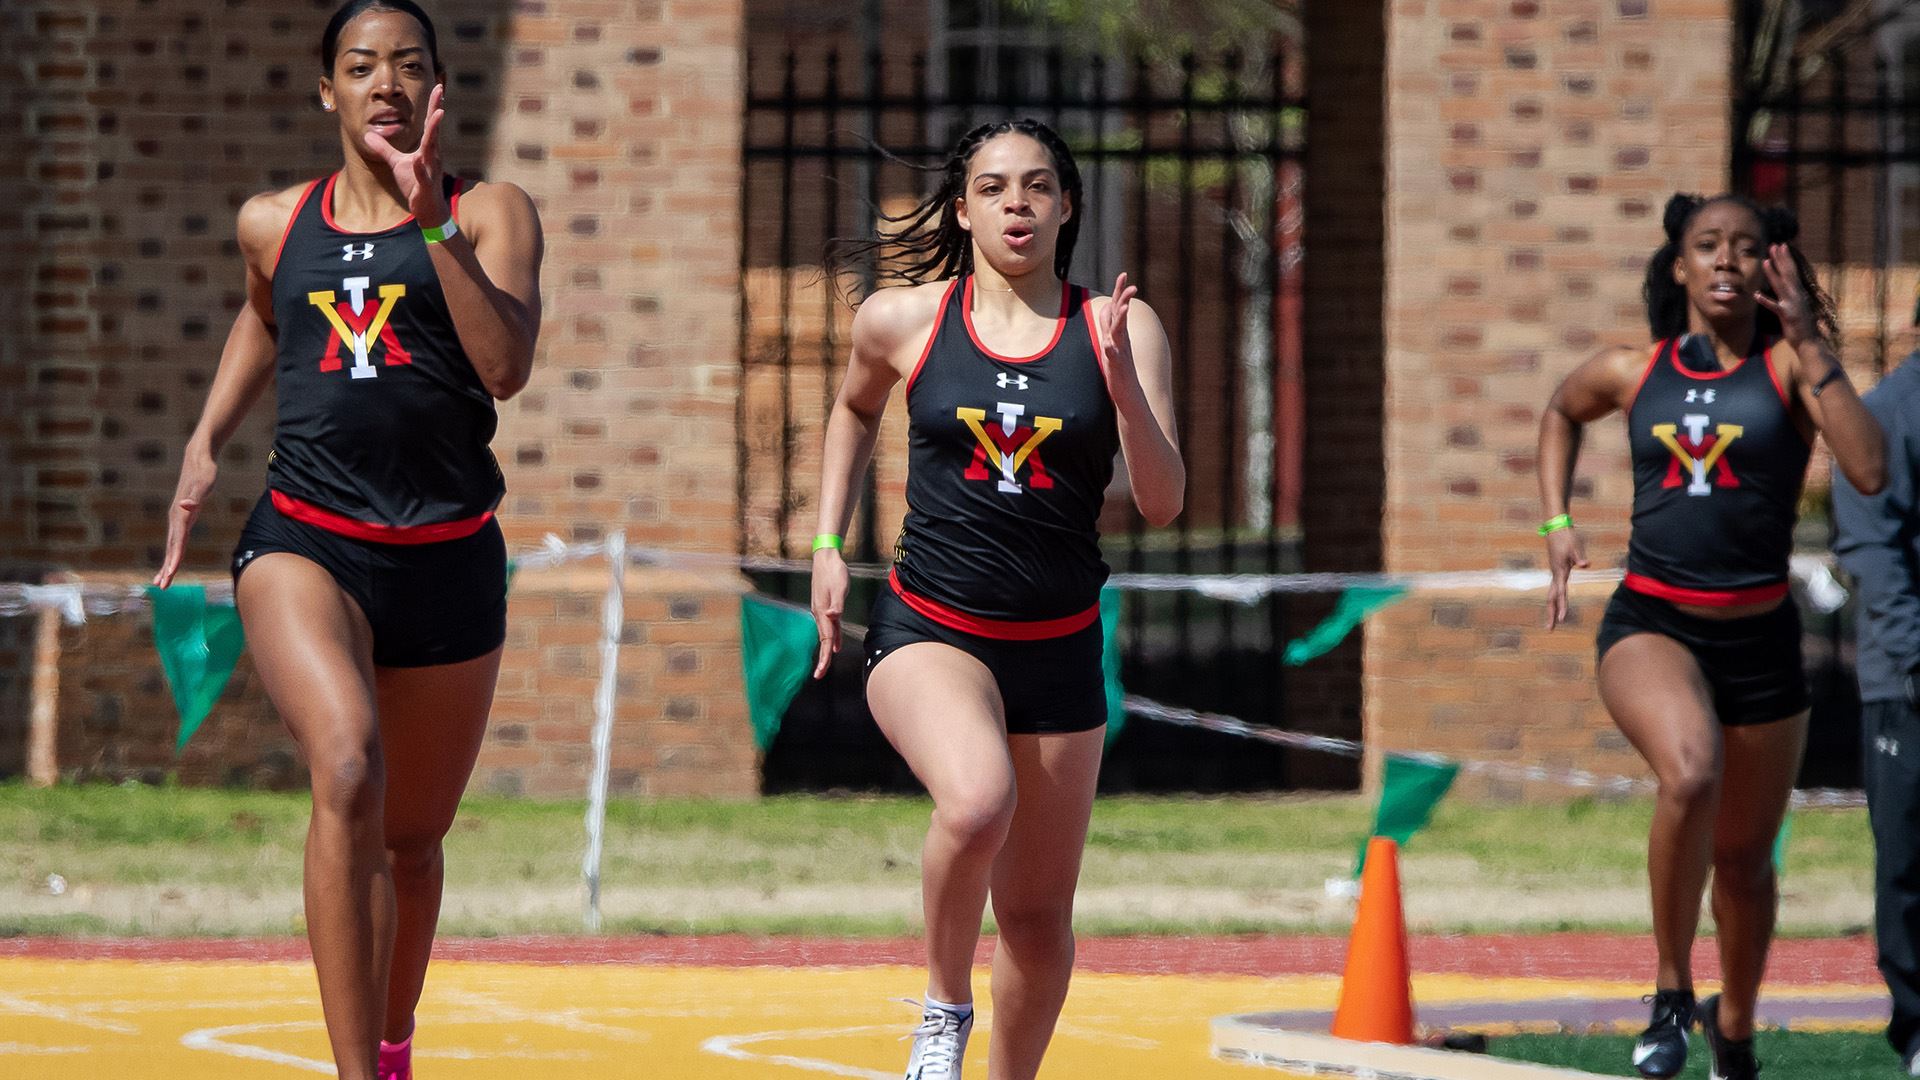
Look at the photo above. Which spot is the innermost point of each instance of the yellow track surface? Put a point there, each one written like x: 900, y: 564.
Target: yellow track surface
x: 122, y: 1020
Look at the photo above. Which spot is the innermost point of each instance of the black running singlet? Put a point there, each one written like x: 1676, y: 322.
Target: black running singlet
x: 383, y: 423
x: 1009, y: 461
x: 1717, y: 470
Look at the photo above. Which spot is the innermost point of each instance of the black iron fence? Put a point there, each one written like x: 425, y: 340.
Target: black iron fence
x: 1193, y: 174
x: 1824, y: 123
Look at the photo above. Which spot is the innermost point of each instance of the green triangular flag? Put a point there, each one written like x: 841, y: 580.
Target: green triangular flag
x: 1110, y: 662
x: 1410, y: 787
x: 198, y: 643
x: 778, y: 647
x: 1352, y: 610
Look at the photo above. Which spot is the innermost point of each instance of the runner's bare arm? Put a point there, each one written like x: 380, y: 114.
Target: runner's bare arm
x: 888, y: 330
x: 245, y: 369
x: 1598, y: 387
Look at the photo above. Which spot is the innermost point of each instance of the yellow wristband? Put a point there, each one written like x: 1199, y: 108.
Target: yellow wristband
x: 827, y: 540
x: 1555, y: 524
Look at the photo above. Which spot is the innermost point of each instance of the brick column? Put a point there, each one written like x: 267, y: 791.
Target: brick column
x: 624, y: 121
x: 1530, y: 147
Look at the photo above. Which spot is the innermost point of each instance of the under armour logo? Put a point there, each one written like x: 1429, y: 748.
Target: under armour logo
x: 1004, y: 380
x: 357, y: 251
x: 1702, y: 397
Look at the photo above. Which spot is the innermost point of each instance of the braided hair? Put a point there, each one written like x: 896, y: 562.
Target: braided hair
x: 926, y: 243
x: 1667, y: 299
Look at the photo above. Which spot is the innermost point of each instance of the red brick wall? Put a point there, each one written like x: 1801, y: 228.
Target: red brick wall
x: 17, y: 277
x: 1531, y: 148
x: 129, y: 135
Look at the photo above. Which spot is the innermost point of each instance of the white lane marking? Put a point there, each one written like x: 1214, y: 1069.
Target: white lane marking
x: 24, y: 1007
x: 1109, y: 1037
x: 213, y: 1041
x: 462, y: 1054
x: 730, y: 1046
x: 22, y: 1049
x: 565, y: 1019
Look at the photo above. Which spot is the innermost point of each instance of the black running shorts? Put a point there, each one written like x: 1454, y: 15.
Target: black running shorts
x: 428, y: 604
x: 1050, y: 687
x: 1752, y: 664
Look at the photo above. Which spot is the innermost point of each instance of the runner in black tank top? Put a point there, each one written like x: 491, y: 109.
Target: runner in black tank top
x: 371, y: 577
x: 1718, y: 466
x: 382, y: 419
x: 1700, y: 645
x: 1008, y: 464
x: 983, y: 653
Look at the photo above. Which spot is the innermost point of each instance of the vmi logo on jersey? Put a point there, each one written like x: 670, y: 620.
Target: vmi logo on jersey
x: 1699, y: 453
x: 1007, y: 446
x: 358, y: 323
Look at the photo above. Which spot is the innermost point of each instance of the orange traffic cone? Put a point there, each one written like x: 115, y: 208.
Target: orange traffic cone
x: 1376, y: 993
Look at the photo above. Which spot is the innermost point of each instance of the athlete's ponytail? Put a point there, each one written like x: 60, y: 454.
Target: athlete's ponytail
x: 1667, y: 299
x: 926, y: 243
x: 353, y: 9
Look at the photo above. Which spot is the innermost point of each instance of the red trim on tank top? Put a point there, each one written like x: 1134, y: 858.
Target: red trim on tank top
x: 932, y: 335
x: 288, y: 231
x: 1093, y: 335
x: 453, y: 200
x: 341, y: 525
x: 1001, y: 629
x: 1674, y: 359
x: 1059, y: 326
x: 1647, y: 374
x: 326, y: 214
x: 1678, y: 594
x: 1780, y: 388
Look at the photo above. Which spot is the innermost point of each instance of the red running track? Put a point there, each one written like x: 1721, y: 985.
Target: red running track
x: 1609, y: 957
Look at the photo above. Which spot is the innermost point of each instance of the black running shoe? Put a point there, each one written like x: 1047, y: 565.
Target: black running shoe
x: 1661, y: 1050
x: 1729, y: 1059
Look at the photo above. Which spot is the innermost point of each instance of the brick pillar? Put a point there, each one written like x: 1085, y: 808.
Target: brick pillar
x: 1531, y: 148
x: 17, y: 185
x: 624, y: 121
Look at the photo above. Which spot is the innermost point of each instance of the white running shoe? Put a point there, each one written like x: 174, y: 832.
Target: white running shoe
x: 938, y: 1045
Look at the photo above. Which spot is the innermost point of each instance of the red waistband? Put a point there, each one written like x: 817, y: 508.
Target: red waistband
x: 1003, y: 629
x: 1640, y: 583
x: 339, y: 524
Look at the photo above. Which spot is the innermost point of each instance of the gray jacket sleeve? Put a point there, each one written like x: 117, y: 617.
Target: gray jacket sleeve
x: 1874, y: 540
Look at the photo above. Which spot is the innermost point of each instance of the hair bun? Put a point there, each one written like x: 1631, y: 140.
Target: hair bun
x: 1782, y: 224
x: 1680, y: 209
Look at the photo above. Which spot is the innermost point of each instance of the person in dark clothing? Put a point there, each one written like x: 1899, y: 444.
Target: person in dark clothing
x: 1878, y: 542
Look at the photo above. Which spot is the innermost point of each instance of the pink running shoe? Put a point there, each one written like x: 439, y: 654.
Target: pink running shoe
x: 396, y: 1059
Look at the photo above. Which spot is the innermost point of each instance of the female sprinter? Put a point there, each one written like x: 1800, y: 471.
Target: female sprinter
x: 394, y: 305
x: 983, y: 657
x: 1699, y: 650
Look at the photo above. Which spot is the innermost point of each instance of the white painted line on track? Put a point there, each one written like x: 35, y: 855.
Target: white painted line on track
x: 24, y: 1007
x: 565, y: 1019
x: 213, y: 1040
x: 23, y: 1050
x: 730, y: 1046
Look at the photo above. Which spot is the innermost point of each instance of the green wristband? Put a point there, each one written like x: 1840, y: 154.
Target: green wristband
x: 1555, y: 524
x: 827, y: 540
x: 440, y: 233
